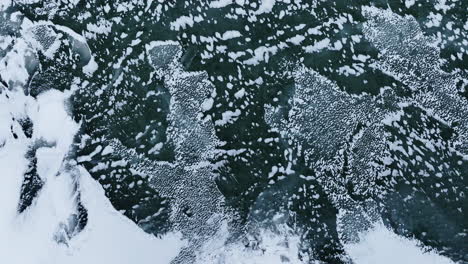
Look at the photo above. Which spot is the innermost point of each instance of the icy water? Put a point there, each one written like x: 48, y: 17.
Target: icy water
x: 269, y: 131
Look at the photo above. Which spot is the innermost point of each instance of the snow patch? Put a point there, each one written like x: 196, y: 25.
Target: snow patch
x: 220, y: 3
x: 380, y: 245
x: 317, y: 46
x: 270, y: 247
x: 266, y: 6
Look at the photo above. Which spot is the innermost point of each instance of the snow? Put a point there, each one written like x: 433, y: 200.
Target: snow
x: 156, y: 148
x: 108, y: 237
x: 230, y: 34
x: 265, y: 7
x: 182, y: 23
x: 5, y: 41
x: 12, y: 162
x: 435, y: 20
x: 220, y: 3
x: 409, y: 3
x: 380, y: 245
x: 228, y: 117
x: 91, y: 67
x: 272, y: 248
x: 296, y: 40
x: 31, y: 237
x: 157, y: 43
x: 239, y: 94
x: 107, y: 150
x: 261, y: 53
x: 51, y: 121
x: 69, y: 32
x: 102, y: 27
x: 13, y: 65
x: 318, y: 46
x: 207, y: 104
x: 235, y: 55
x: 4, y: 4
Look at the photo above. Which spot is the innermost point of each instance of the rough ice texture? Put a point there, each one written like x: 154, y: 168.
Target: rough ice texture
x: 324, y: 123
x: 338, y: 135
x: 188, y: 181
x: 410, y: 57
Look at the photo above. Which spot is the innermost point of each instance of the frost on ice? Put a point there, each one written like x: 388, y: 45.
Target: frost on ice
x: 354, y: 143
x: 410, y: 57
x: 142, y: 128
x: 439, y: 135
x: 326, y: 123
x: 188, y: 181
